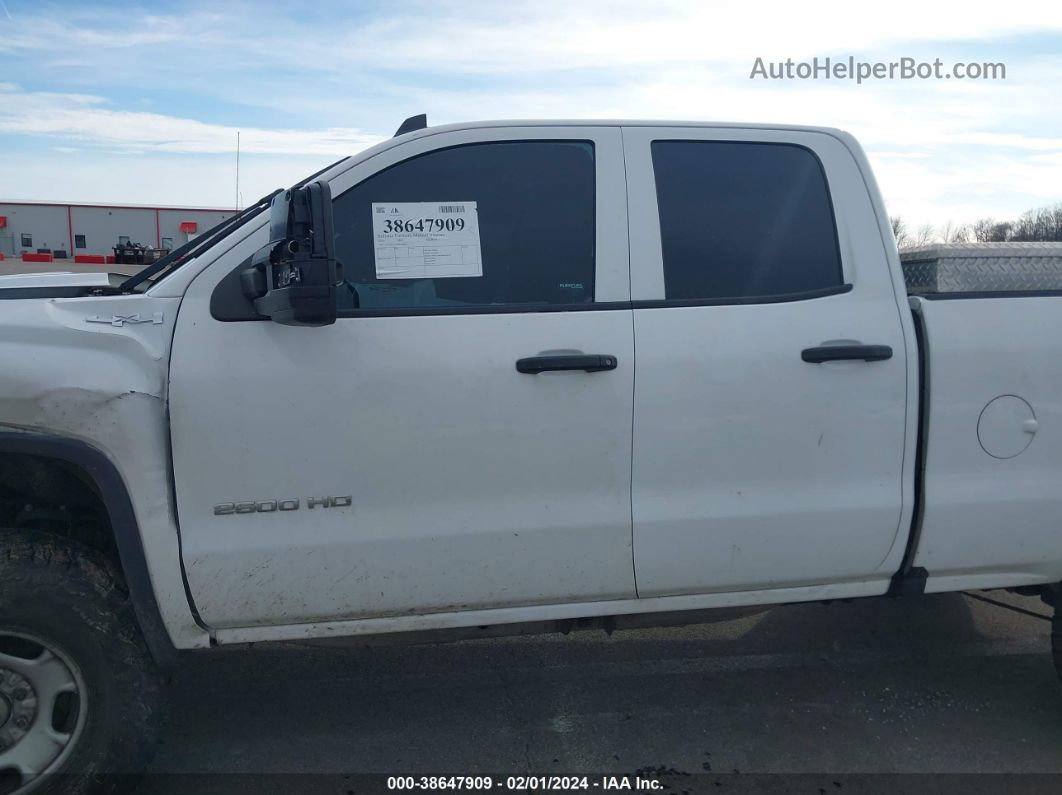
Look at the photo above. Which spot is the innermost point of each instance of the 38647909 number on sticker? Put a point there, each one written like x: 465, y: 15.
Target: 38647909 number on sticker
x: 426, y: 240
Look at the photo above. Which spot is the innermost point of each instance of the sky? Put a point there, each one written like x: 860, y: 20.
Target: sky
x: 141, y: 102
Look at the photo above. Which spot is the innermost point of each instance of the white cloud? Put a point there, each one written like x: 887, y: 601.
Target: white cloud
x: 551, y: 36
x: 86, y: 118
x: 139, y: 178
x: 329, y: 81
x: 515, y: 38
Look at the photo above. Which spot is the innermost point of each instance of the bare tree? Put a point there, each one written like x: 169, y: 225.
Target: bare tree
x: 899, y: 231
x: 961, y: 234
x: 1044, y: 223
x: 989, y: 230
x: 1041, y: 224
x: 982, y: 230
x: 1001, y: 232
x: 924, y: 235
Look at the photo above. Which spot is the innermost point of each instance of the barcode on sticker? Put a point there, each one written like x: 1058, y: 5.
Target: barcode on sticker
x: 451, y: 208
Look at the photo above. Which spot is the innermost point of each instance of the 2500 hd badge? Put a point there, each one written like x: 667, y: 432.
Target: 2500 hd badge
x: 269, y: 506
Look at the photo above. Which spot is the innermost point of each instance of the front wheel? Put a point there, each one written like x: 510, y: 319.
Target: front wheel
x: 80, y: 696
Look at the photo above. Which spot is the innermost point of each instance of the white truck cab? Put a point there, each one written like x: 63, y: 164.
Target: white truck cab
x: 508, y: 374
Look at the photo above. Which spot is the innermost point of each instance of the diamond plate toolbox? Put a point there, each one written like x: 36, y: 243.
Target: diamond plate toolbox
x: 982, y: 268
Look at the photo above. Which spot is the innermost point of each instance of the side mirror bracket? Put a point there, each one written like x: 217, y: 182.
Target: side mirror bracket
x: 292, y: 280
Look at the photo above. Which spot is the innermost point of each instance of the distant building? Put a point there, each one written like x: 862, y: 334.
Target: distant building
x: 73, y: 229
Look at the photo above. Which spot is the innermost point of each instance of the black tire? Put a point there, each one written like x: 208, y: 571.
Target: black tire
x: 69, y: 597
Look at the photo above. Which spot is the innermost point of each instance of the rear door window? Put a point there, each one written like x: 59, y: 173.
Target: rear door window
x: 744, y: 221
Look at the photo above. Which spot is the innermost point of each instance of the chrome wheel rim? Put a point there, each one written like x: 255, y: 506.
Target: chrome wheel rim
x: 43, y: 707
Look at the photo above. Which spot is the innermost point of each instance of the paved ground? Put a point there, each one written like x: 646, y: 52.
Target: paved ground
x: 820, y: 693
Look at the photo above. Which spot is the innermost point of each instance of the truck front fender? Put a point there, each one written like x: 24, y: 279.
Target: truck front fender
x: 99, y: 470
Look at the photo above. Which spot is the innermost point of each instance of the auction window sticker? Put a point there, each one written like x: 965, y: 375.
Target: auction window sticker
x: 426, y: 240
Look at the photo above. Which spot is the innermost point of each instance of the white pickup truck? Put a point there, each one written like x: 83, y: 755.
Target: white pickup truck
x: 501, y: 377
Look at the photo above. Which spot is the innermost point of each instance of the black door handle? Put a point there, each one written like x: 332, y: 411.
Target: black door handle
x: 836, y: 353
x: 590, y: 363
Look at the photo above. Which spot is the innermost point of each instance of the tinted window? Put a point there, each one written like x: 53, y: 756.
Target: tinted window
x: 79, y: 241
x: 534, y: 205
x: 742, y: 220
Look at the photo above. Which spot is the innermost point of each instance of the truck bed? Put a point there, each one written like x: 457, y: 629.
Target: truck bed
x: 990, y: 457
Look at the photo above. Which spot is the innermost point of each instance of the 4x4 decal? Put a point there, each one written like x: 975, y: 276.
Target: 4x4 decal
x: 121, y: 320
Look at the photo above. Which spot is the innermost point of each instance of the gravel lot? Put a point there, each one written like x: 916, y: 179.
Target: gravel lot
x: 803, y: 698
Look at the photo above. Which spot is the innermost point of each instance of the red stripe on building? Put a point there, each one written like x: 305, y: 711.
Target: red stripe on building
x: 119, y: 206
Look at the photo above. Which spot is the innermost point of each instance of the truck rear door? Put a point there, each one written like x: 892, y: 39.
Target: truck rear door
x: 771, y: 381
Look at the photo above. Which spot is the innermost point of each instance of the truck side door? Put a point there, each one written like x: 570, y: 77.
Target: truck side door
x: 398, y: 462
x: 762, y: 459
